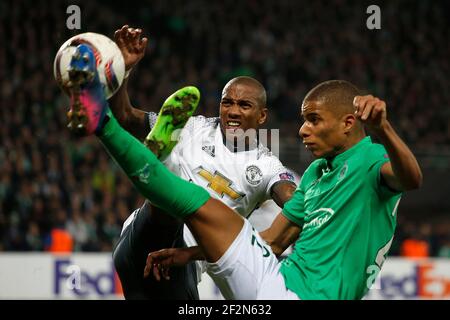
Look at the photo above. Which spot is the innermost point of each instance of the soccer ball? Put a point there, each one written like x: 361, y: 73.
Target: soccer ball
x: 109, y: 61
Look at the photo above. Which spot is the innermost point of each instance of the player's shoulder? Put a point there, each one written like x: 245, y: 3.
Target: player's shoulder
x: 265, y: 155
x: 202, y: 121
x: 370, y: 149
x: 373, y: 153
x: 200, y: 125
x: 376, y: 149
x: 276, y: 170
x: 268, y: 159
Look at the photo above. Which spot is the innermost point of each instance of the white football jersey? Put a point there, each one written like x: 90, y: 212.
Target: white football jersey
x: 242, y: 180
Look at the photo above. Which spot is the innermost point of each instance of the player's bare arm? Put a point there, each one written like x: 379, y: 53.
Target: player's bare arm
x: 402, y: 173
x: 281, y: 234
x: 282, y: 192
x: 159, y: 262
x: 132, y: 46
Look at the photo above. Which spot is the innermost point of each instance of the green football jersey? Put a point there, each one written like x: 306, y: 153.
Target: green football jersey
x: 348, y: 218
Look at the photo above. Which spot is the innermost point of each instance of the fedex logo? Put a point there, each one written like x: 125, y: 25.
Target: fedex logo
x: 71, y: 279
x: 425, y: 280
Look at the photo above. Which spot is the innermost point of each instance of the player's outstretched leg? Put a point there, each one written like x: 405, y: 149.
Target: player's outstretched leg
x: 90, y: 114
x: 214, y: 225
x: 175, y: 112
x: 86, y: 116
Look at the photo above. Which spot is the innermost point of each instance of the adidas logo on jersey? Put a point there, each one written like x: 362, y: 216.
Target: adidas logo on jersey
x: 211, y: 150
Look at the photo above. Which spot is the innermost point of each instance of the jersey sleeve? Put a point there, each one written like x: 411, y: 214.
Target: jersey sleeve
x: 187, y: 134
x: 151, y: 118
x: 380, y: 157
x: 279, y: 174
x: 294, y: 209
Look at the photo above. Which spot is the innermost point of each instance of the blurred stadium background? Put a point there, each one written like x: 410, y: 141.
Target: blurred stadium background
x: 52, y: 186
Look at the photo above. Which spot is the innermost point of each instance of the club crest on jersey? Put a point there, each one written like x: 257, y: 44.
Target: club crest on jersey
x: 211, y: 150
x: 254, y: 175
x: 343, y: 171
x: 142, y: 174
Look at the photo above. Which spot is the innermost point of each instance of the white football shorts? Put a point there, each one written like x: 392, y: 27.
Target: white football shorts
x: 249, y: 270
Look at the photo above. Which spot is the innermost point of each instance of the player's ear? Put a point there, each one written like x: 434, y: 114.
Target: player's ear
x: 348, y: 122
x: 263, y: 116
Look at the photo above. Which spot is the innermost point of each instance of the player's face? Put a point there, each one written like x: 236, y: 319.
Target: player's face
x: 240, y: 110
x: 322, y: 131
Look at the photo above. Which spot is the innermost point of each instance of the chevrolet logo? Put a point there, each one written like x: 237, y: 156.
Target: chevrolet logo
x: 219, y: 183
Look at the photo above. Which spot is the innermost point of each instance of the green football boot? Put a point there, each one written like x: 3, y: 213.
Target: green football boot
x: 175, y: 112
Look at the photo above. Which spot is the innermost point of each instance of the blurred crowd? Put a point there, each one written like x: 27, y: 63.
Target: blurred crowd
x: 50, y: 181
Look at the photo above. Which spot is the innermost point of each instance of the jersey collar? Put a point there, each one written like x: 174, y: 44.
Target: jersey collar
x: 344, y: 156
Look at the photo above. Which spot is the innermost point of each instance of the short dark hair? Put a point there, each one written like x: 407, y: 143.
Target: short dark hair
x: 337, y: 95
x: 254, y: 83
